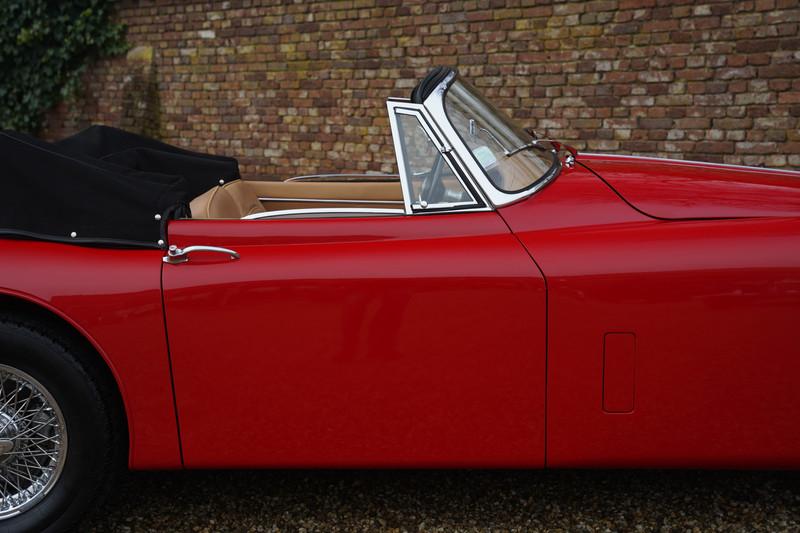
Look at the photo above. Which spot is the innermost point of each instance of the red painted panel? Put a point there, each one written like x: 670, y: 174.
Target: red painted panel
x: 673, y: 189
x: 714, y: 305
x: 114, y: 298
x: 619, y: 372
x: 398, y: 341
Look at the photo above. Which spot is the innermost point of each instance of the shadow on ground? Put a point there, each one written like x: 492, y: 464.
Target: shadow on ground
x: 452, y: 501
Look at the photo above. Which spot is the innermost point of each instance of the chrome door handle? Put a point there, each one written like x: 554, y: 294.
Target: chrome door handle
x: 177, y: 255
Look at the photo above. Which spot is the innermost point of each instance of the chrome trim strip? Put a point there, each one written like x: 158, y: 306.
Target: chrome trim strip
x: 322, y: 211
x: 444, y: 211
x: 392, y: 177
x: 330, y: 201
x: 687, y: 161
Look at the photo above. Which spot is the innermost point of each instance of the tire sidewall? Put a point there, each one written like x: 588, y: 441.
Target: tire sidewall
x: 86, y: 422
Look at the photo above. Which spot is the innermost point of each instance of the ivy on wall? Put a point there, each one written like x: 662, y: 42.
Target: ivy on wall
x: 44, y: 48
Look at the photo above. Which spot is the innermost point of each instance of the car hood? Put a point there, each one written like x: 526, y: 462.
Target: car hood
x: 671, y: 189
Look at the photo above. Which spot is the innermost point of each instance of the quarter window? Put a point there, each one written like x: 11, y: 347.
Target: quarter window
x: 432, y: 182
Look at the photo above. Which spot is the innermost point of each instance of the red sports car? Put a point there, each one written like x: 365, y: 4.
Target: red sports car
x: 502, y: 302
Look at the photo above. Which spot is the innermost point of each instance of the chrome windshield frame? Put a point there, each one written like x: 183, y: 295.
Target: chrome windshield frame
x: 434, y: 104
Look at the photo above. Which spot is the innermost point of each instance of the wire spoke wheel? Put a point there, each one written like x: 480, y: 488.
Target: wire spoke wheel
x: 33, y: 441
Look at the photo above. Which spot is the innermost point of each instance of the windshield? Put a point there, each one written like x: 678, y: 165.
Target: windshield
x: 499, y: 146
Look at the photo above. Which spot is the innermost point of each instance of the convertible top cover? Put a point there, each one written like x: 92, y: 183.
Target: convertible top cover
x: 102, y: 186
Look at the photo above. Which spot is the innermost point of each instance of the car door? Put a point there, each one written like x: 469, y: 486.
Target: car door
x: 415, y: 339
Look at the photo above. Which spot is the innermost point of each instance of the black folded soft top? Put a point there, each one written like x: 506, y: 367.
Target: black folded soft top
x: 102, y: 186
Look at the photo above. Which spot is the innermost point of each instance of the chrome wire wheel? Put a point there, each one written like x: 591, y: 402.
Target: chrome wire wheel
x: 33, y: 441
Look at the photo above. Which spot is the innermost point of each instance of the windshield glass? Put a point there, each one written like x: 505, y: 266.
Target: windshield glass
x: 495, y: 141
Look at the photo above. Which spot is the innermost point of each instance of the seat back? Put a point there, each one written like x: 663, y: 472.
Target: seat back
x: 235, y: 199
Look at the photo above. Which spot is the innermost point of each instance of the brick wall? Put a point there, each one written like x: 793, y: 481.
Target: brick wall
x: 300, y: 87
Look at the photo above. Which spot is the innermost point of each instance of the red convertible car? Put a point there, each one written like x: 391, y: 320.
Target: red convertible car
x: 502, y: 302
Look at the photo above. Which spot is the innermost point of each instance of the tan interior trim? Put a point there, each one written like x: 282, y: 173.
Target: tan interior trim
x: 238, y: 199
x: 331, y: 190
x: 282, y: 195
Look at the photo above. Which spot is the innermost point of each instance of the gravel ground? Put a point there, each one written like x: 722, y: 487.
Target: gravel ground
x: 452, y: 501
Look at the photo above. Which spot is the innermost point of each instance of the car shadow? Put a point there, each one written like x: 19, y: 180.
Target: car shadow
x: 412, y: 500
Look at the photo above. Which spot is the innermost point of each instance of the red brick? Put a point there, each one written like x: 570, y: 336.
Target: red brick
x: 291, y: 88
x: 715, y: 147
x: 655, y: 123
x: 757, y: 45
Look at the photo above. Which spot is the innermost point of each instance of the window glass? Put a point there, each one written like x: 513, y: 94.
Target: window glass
x: 431, y: 181
x: 494, y: 140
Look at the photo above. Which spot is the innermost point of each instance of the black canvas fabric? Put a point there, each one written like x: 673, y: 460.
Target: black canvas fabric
x: 99, y: 141
x: 103, y: 185
x: 201, y: 171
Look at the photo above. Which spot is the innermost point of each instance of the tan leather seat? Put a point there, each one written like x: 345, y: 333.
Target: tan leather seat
x: 232, y: 200
x: 245, y: 197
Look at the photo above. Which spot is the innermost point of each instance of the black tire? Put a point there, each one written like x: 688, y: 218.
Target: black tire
x: 90, y: 415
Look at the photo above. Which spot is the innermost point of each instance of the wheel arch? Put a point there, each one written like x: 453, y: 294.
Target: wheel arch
x: 39, y: 312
